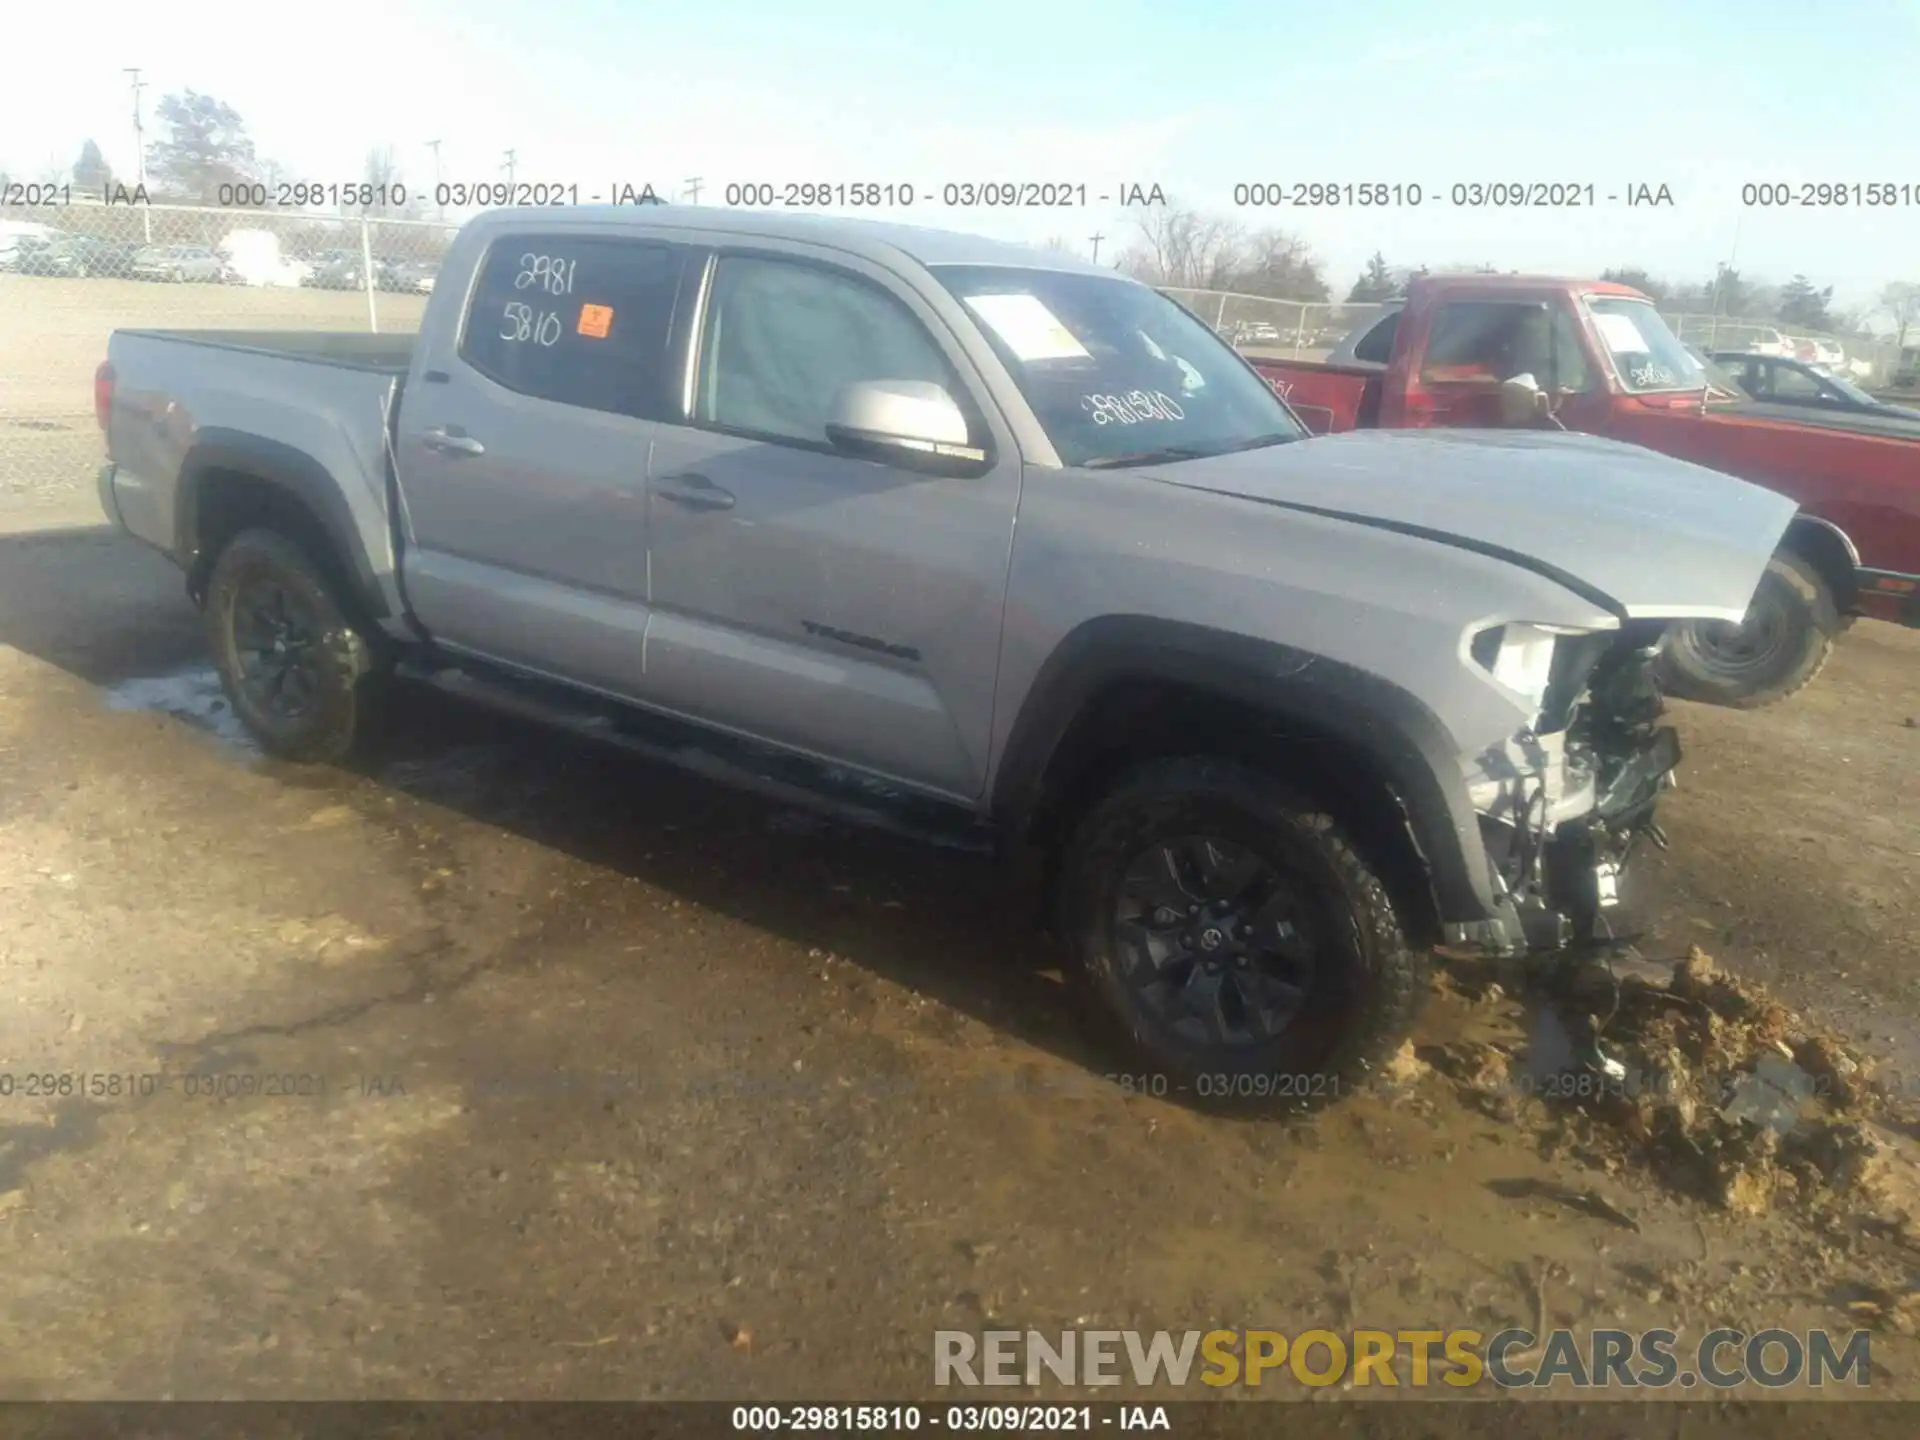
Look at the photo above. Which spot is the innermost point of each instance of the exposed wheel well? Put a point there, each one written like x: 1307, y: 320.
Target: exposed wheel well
x: 227, y: 502
x: 1826, y: 549
x: 1132, y: 720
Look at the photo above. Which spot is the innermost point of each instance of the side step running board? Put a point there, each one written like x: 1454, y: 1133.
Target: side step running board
x: 774, y: 774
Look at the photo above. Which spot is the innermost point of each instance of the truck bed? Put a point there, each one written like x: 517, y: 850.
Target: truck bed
x: 350, y: 349
x: 310, y: 411
x: 1328, y: 398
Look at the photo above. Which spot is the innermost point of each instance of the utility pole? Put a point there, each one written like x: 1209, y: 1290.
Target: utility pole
x: 508, y: 167
x: 439, y: 205
x: 693, y: 190
x: 1097, y: 238
x: 140, y: 150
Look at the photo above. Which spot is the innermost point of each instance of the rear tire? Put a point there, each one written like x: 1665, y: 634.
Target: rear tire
x: 1244, y: 953
x: 304, y: 678
x: 1782, y: 644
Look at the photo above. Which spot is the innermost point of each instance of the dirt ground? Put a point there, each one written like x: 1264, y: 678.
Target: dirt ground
x: 518, y: 1069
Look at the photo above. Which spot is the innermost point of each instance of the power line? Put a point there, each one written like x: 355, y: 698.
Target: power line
x: 693, y: 189
x: 1097, y: 238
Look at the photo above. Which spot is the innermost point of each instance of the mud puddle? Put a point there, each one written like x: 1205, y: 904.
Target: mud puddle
x: 192, y: 695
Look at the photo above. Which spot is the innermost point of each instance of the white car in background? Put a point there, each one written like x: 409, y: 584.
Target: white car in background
x: 254, y: 257
x: 1827, y: 355
x: 12, y: 232
x: 1768, y: 341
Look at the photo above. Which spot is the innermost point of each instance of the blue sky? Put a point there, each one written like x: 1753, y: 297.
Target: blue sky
x: 1700, y: 96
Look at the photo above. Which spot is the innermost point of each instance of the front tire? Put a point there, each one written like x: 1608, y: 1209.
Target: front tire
x: 1784, y: 641
x: 1244, y: 952
x: 303, y: 677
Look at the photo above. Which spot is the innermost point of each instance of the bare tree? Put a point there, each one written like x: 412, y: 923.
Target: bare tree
x: 1900, y: 303
x: 1188, y: 250
x: 1184, y: 249
x: 1278, y: 264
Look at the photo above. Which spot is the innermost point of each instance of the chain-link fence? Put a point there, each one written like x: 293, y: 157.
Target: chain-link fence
x: 1871, y: 363
x: 1297, y: 330
x: 1278, y: 329
x: 71, y: 276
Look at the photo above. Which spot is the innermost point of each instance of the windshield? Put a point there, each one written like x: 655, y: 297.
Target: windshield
x: 1117, y: 373
x: 1852, y: 391
x: 1719, y: 377
x: 1644, y: 353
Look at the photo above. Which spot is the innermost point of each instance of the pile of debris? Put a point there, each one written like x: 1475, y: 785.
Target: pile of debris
x: 1720, y: 1090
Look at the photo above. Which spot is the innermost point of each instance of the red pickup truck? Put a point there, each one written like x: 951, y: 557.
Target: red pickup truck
x: 1486, y: 351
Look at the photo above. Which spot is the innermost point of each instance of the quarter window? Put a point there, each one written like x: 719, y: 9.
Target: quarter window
x: 1376, y: 346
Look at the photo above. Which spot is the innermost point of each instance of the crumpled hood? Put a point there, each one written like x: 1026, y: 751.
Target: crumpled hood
x: 1649, y: 536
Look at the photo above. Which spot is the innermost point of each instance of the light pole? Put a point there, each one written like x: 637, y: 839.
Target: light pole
x: 1097, y: 238
x: 439, y: 207
x: 509, y: 169
x: 140, y: 151
x: 693, y: 190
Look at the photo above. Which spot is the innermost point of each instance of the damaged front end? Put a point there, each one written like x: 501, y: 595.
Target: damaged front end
x: 1565, y: 803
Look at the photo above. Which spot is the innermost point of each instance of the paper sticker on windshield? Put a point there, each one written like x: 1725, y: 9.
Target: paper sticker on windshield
x: 595, y: 321
x: 1621, y: 335
x: 1030, y: 329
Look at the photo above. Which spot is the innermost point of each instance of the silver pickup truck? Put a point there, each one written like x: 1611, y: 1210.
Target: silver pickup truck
x: 985, y: 544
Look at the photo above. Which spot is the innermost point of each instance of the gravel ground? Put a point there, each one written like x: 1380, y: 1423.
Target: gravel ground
x: 520, y: 1069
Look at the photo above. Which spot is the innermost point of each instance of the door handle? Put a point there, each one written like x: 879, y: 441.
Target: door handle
x: 696, y: 492
x: 449, y: 440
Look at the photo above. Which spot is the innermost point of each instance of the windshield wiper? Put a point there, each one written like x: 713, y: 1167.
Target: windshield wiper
x: 1145, y: 457
x: 1260, y: 442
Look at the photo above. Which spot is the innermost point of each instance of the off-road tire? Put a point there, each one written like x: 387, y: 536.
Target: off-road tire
x: 1369, y: 985
x: 351, y: 670
x: 1692, y: 667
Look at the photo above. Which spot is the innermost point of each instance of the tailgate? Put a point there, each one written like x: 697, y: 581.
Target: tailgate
x: 1328, y: 398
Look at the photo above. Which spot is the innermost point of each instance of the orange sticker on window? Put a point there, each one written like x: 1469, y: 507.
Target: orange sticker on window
x: 596, y: 320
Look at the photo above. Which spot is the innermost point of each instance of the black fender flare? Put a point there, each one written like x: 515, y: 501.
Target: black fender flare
x: 296, y: 476
x: 1390, y: 726
x: 1830, y: 550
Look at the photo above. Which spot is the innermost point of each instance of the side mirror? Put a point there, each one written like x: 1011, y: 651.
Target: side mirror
x: 914, y: 424
x: 1522, y: 401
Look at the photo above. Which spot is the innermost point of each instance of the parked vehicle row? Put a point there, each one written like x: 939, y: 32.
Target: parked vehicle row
x: 980, y: 543
x: 44, y: 251
x: 346, y: 270
x: 1538, y: 353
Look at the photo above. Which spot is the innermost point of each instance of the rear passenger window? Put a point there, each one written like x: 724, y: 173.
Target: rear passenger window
x: 584, y: 321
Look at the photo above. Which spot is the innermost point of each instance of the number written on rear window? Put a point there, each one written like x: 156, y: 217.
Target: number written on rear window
x: 581, y: 320
x: 524, y: 323
x: 545, y: 272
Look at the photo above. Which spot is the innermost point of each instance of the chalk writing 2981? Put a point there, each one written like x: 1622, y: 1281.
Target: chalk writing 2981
x: 1133, y: 408
x: 545, y: 272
